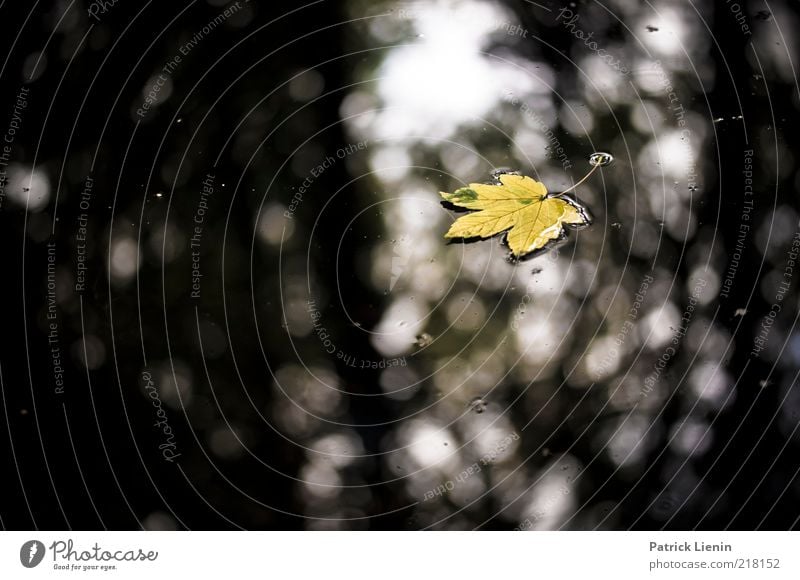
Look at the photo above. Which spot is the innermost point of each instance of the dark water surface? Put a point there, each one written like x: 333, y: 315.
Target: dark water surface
x: 229, y: 302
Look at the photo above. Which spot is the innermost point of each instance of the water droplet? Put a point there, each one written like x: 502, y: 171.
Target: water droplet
x: 504, y: 171
x: 478, y: 404
x: 600, y: 159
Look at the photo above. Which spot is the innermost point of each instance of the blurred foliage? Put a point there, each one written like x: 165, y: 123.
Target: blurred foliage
x: 266, y: 273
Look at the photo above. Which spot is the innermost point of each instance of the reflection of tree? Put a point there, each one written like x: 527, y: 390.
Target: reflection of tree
x: 657, y: 437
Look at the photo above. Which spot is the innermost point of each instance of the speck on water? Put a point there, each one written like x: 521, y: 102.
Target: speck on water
x: 478, y: 405
x: 600, y: 159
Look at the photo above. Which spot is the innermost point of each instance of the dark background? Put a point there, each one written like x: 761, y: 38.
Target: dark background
x: 89, y: 458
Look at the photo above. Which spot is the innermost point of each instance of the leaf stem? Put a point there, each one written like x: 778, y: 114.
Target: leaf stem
x: 581, y: 181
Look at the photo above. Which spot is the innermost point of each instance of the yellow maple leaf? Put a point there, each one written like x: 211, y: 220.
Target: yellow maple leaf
x: 518, y: 205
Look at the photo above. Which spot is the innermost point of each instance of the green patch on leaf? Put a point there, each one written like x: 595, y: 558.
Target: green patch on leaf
x: 463, y: 194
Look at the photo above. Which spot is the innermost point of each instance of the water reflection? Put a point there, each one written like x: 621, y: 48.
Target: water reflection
x: 339, y: 363
x: 458, y: 89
